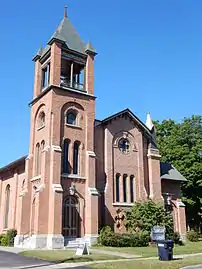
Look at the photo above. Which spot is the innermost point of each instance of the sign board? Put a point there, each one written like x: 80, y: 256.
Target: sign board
x: 158, y: 233
x: 82, y: 249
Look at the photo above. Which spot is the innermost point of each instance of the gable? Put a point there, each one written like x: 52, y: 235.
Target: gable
x: 134, y: 121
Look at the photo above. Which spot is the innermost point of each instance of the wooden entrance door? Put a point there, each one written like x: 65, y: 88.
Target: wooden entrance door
x: 71, y: 219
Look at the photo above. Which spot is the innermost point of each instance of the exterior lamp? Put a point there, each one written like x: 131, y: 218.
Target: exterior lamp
x: 168, y: 200
x: 72, y: 189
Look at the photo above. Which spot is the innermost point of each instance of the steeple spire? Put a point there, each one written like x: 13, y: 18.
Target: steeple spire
x: 149, y: 122
x: 65, y: 11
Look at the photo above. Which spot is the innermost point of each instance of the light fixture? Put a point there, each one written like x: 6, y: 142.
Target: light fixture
x: 72, y: 189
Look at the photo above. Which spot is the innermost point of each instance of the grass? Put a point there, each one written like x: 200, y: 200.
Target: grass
x: 66, y: 256
x: 188, y: 248
x: 149, y: 264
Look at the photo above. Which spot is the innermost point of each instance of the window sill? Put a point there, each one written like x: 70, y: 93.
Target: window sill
x: 73, y: 176
x: 41, y: 127
x: 122, y: 204
x: 35, y: 178
x: 73, y: 126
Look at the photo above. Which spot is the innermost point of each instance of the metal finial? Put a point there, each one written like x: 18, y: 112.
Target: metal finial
x: 65, y: 11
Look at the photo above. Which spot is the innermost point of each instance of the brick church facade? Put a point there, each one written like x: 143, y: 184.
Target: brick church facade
x: 80, y: 172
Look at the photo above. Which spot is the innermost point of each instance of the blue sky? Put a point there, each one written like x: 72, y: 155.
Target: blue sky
x: 149, y: 59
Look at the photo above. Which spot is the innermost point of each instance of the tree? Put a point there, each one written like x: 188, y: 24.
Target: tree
x: 181, y: 145
x: 145, y: 215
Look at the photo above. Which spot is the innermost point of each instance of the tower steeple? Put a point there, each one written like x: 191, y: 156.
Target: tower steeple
x: 149, y: 122
x: 70, y: 62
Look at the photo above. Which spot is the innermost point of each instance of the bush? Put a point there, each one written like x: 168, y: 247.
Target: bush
x: 10, y: 237
x: 145, y: 215
x: 176, y: 238
x: 4, y: 240
x: 1, y: 236
x: 192, y: 236
x: 109, y: 238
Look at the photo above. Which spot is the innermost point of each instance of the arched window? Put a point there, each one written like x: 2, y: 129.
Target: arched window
x: 131, y: 189
x: 7, y: 205
x: 42, y: 145
x: 37, y: 160
x: 66, y: 156
x: 117, y: 188
x: 124, y: 188
x: 71, y: 118
x: 41, y: 120
x: 76, y: 157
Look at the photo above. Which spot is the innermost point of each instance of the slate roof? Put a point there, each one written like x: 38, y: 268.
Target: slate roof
x: 170, y: 172
x: 68, y: 36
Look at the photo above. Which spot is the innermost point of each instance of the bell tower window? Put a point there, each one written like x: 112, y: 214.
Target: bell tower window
x: 45, y: 76
x: 72, y: 75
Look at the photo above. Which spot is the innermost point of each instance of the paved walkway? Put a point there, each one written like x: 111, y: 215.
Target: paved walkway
x: 115, y: 253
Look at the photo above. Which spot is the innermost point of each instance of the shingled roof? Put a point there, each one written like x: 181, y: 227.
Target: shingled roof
x: 170, y: 172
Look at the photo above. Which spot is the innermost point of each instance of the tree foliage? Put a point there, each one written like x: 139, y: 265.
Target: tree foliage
x: 145, y: 215
x: 181, y: 145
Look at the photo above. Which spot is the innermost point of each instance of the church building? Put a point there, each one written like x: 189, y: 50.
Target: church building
x: 80, y: 173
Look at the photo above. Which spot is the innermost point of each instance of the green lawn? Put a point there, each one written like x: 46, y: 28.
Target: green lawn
x: 66, y: 256
x: 188, y: 248
x: 149, y: 264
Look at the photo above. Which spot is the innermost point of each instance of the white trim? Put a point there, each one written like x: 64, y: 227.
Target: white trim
x: 93, y: 191
x: 91, y: 153
x: 153, y: 153
x: 73, y: 126
x: 57, y: 187
x: 22, y: 193
x: 35, y: 178
x: 46, y: 148
x: 56, y: 148
x: 40, y: 188
x: 29, y: 157
x: 181, y: 204
x: 122, y: 204
x: 73, y: 176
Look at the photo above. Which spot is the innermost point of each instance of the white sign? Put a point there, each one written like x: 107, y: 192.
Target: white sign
x: 158, y: 233
x: 82, y: 249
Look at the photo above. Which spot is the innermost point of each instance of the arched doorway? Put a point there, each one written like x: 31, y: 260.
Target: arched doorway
x: 70, y: 218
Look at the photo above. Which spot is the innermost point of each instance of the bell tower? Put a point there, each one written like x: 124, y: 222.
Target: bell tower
x: 61, y: 153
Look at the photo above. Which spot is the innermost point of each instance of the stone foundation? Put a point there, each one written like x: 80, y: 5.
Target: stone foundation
x: 42, y: 241
x: 91, y: 239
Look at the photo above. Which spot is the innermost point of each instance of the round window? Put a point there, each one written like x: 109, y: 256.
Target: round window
x: 124, y: 145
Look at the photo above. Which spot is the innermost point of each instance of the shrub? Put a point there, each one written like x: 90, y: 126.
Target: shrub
x: 192, y: 236
x: 1, y: 236
x: 4, y: 240
x: 10, y: 236
x: 109, y: 238
x: 145, y: 215
x: 176, y: 238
